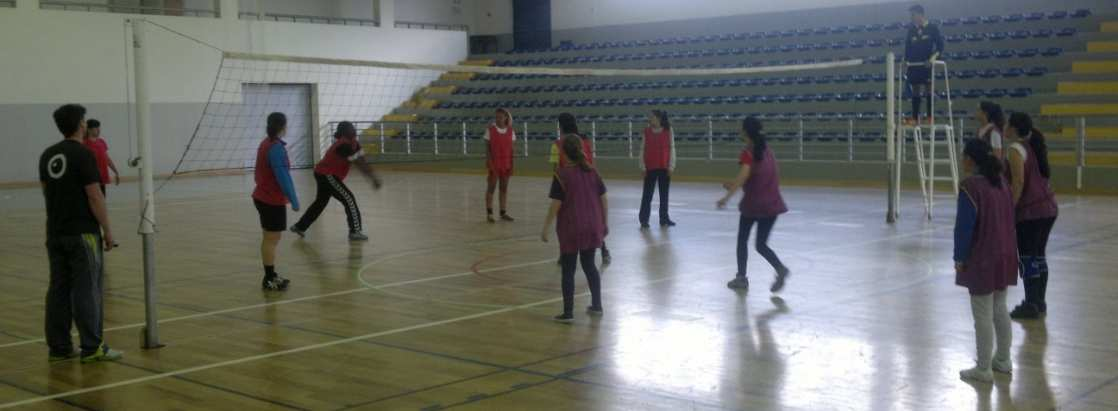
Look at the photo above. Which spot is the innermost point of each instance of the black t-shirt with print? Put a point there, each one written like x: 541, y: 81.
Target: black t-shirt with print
x: 65, y: 169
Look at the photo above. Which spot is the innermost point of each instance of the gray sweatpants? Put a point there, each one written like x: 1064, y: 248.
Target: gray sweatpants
x: 74, y: 295
x: 990, y: 319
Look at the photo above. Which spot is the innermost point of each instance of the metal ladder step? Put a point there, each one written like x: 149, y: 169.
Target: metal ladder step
x: 943, y: 178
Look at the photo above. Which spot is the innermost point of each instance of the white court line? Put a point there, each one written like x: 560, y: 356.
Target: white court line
x: 368, y: 287
x: 302, y: 349
x: 382, y: 333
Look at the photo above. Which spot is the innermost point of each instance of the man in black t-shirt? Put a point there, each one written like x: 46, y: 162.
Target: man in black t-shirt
x: 922, y: 46
x: 77, y: 233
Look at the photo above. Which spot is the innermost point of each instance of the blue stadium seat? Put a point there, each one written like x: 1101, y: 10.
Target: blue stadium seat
x: 874, y: 28
x: 1005, y: 53
x: 878, y: 77
x: 893, y: 26
x: 990, y: 73
x: 970, y: 21
x: 1020, y: 34
x: 1034, y: 16
x: 879, y: 96
x: 821, y: 31
x: 844, y: 97
x: 876, y: 59
x: 1036, y: 71
x: 996, y: 93
x: 839, y: 30
x: 785, y: 98
x: 1052, y: 52
x: 786, y: 81
x: 980, y: 55
x: 839, y: 45
x: 1014, y: 18
x: 997, y: 35
x: 874, y: 43
x: 992, y: 19
x: 1021, y: 92
x: 804, y: 32
x: 950, y: 22
x: 1026, y: 53
x: 1081, y: 13
x: 971, y: 93
x: 974, y: 37
x: 863, y: 96
x: 1066, y: 32
x: 804, y: 80
x: 772, y: 34
x: 954, y: 38
x: 788, y: 33
x: 787, y: 48
x: 1057, y: 15
x: 1013, y: 72
x: 824, y: 97
x: 861, y: 78
x: 820, y: 46
x: 804, y: 98
x: 843, y: 79
x: 824, y: 79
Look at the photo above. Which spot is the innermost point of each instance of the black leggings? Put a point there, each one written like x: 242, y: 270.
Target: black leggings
x: 921, y: 92
x: 569, y: 262
x: 330, y: 186
x: 1032, y: 240
x: 764, y: 228
x: 652, y: 179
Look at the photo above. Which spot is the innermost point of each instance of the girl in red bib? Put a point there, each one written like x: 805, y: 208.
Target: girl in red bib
x: 499, y: 139
x: 274, y: 190
x: 761, y: 202
x: 329, y: 177
x: 657, y: 163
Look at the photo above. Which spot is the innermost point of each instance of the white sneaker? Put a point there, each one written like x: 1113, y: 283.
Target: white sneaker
x: 977, y: 374
x: 1002, y: 366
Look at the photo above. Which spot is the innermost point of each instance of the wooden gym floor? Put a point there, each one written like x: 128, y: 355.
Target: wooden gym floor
x: 441, y: 310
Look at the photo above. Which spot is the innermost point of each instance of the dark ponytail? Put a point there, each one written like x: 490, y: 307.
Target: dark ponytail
x: 345, y: 129
x: 1023, y: 125
x: 994, y: 114
x: 982, y: 153
x: 567, y: 124
x: 572, y: 147
x: 753, y: 127
x: 663, y: 117
x: 276, y: 123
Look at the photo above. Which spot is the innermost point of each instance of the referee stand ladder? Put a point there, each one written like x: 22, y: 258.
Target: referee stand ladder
x: 936, y: 150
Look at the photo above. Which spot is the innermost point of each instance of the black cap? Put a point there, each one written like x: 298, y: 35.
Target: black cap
x: 916, y: 9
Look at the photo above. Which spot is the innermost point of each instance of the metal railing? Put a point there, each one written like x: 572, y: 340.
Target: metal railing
x: 7, y: 3
x: 116, y: 8
x: 431, y: 26
x: 848, y: 140
x: 298, y: 18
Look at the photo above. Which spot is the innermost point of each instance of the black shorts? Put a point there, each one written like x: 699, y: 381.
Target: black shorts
x: 272, y: 217
x: 919, y: 75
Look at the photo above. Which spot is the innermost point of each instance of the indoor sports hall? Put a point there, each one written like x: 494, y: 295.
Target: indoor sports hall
x: 558, y: 205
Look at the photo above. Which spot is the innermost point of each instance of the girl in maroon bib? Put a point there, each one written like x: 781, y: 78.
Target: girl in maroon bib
x: 760, y: 204
x: 657, y: 164
x: 1036, y: 209
x: 986, y: 256
x: 579, y: 203
x: 499, y: 139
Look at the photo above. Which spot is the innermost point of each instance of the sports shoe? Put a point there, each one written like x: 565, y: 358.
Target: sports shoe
x: 976, y: 374
x: 276, y: 283
x: 564, y: 318
x: 667, y: 223
x: 1003, y: 366
x: 594, y: 311
x: 778, y: 284
x: 1025, y: 311
x: 63, y: 357
x: 297, y: 230
x: 738, y: 283
x: 103, y: 353
x: 358, y: 236
x: 606, y: 258
x: 645, y: 226
x: 490, y: 219
x: 506, y: 217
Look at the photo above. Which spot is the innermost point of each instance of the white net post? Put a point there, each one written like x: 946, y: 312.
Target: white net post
x: 525, y: 138
x: 464, y: 147
x: 407, y: 136
x: 147, y: 186
x: 710, y: 138
x: 630, y: 139
x: 435, y: 126
x: 594, y: 138
x: 891, y: 138
x: 382, y: 147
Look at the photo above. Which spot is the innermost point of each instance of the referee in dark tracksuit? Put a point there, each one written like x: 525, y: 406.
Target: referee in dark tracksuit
x: 922, y: 46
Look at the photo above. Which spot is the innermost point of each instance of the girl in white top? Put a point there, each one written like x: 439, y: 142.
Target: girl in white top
x: 992, y: 119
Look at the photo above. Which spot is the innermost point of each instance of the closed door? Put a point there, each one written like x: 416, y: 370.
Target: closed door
x: 294, y: 101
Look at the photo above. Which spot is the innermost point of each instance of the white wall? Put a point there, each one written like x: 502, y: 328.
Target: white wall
x: 435, y: 11
x: 571, y: 14
x: 491, y: 17
x: 322, y: 8
x: 55, y: 57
